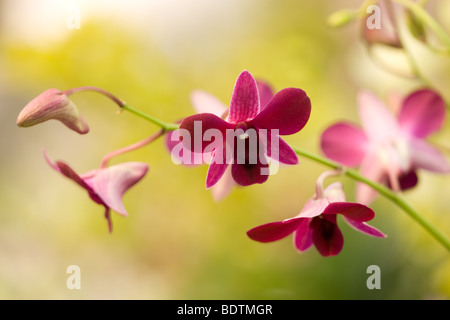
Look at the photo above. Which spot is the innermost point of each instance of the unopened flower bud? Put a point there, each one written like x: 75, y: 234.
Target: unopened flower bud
x: 341, y: 18
x: 52, y: 104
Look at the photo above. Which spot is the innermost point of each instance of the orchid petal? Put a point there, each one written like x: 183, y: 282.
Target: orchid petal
x: 224, y: 186
x: 345, y: 143
x: 303, y: 235
x: 377, y: 121
x: 179, y: 152
x: 195, y: 127
x: 265, y: 93
x: 284, y: 153
x: 111, y: 183
x: 245, y: 100
x: 327, y: 237
x: 425, y: 156
x: 422, y: 113
x: 354, y: 211
x: 334, y: 192
x: 313, y: 208
x: 248, y: 174
x: 273, y: 231
x: 373, y: 169
x: 205, y: 102
x: 288, y: 111
x: 216, y: 168
x: 364, y: 228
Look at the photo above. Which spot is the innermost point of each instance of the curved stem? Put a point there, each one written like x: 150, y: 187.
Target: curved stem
x: 124, y: 106
x: 119, y: 102
x: 383, y: 190
x: 129, y: 148
x: 164, y: 125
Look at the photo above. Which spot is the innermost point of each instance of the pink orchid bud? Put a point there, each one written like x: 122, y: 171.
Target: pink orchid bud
x: 379, y: 25
x: 52, y: 104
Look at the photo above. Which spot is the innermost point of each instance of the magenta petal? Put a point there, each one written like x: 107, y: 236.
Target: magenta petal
x: 288, y: 111
x: 282, y: 153
x: 217, y: 168
x: 110, y: 184
x: 327, y: 237
x: 273, y: 231
x: 406, y: 180
x: 247, y: 174
x: 365, y: 228
x: 194, y: 128
x: 354, y: 211
x: 345, y: 143
x: 67, y: 171
x: 303, y: 236
x: 245, y: 100
x: 265, y: 93
x: 179, y: 152
x: 422, y: 113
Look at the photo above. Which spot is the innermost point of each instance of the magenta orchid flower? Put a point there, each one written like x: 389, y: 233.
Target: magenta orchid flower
x: 105, y: 186
x: 317, y: 222
x: 204, y: 102
x: 52, y: 104
x: 389, y: 148
x: 285, y: 114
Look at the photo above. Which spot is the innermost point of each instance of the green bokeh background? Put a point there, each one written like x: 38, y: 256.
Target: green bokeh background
x: 177, y: 242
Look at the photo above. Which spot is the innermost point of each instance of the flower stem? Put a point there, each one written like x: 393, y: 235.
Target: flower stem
x: 129, y: 148
x: 124, y: 106
x: 163, y: 125
x: 383, y: 190
x: 108, y: 94
x: 421, y: 14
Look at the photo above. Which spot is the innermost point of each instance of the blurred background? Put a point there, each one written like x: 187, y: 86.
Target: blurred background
x: 178, y: 243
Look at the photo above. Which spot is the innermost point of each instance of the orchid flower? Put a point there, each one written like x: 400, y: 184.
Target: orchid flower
x: 317, y: 222
x: 204, y: 102
x: 286, y: 113
x: 52, y: 104
x: 105, y: 186
x: 389, y: 148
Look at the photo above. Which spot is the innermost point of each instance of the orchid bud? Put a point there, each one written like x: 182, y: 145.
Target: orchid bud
x: 52, y: 104
x: 379, y: 25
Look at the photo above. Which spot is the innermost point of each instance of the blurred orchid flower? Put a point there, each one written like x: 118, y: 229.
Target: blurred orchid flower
x: 317, y: 222
x: 105, y: 186
x: 204, y: 102
x: 385, y: 31
x: 286, y: 113
x: 52, y: 104
x: 389, y: 148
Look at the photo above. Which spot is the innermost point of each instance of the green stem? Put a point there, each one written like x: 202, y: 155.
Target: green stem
x: 164, y: 125
x: 383, y: 190
x: 124, y: 106
x: 418, y: 10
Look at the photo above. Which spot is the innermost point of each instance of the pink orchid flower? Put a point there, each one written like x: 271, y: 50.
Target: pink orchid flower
x: 317, y: 222
x: 286, y: 113
x: 204, y: 102
x: 52, y: 104
x: 389, y: 148
x: 105, y: 186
